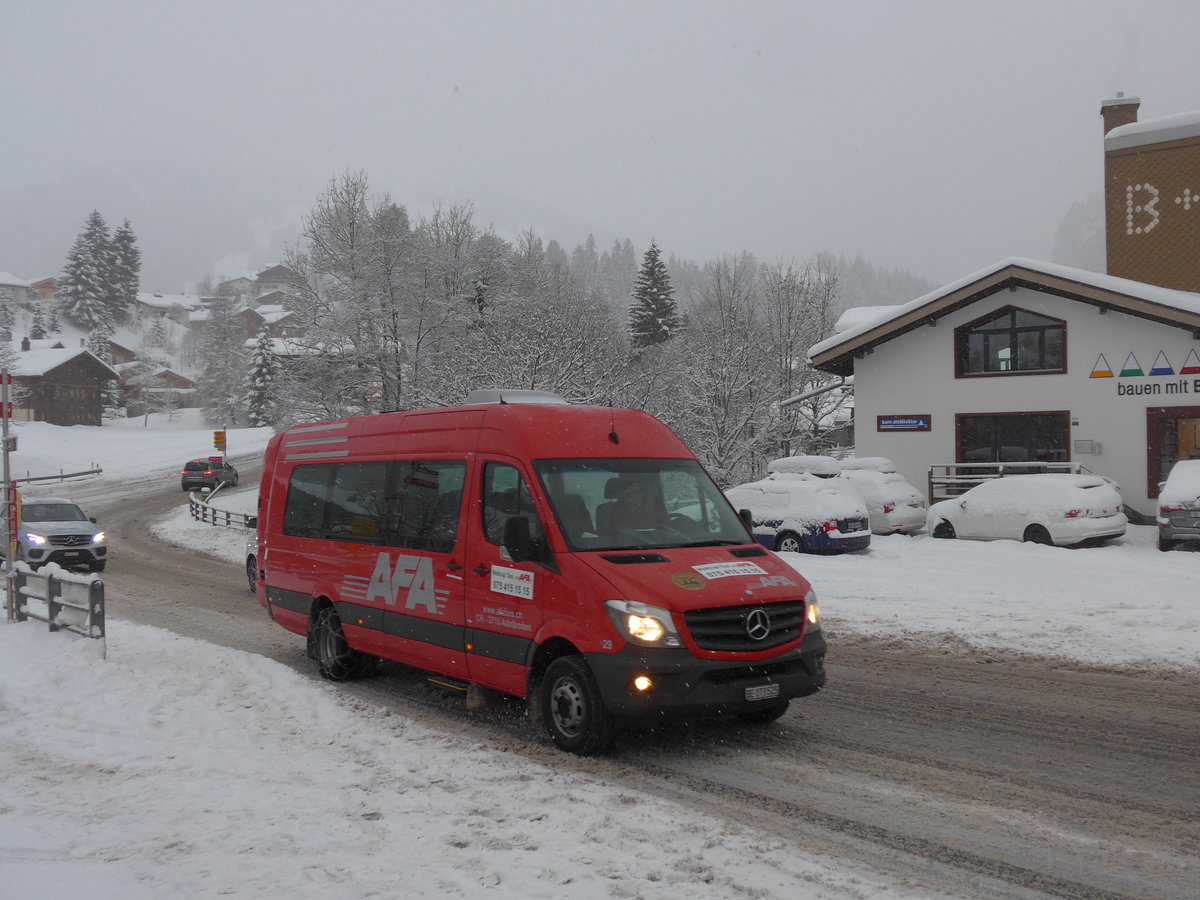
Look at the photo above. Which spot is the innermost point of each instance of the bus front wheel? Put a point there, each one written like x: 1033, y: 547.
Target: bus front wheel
x: 572, y: 709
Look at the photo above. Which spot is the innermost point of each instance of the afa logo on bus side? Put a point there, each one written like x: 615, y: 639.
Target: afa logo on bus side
x: 412, y: 572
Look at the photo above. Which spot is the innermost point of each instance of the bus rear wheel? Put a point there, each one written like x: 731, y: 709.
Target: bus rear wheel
x: 572, y: 709
x: 336, y: 660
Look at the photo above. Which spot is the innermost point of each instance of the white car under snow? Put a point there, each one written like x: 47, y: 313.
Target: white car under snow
x: 1063, y: 510
x: 894, y: 505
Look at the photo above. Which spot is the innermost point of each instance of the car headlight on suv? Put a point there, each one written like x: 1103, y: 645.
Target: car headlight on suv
x: 98, y: 537
x: 36, y: 539
x: 647, y: 626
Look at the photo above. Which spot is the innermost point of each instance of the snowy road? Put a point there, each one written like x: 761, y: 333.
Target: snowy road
x: 977, y: 775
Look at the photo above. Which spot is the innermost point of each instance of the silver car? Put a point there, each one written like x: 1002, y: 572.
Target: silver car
x: 53, y: 529
x: 1179, y: 505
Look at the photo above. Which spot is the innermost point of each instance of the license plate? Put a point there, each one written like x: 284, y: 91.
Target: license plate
x: 71, y: 554
x: 762, y: 692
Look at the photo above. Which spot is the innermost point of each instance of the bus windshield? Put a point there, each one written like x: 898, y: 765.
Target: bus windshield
x: 627, y: 504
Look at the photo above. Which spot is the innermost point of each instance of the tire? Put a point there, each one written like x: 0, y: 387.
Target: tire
x: 789, y: 542
x: 766, y: 715
x: 98, y: 566
x: 1165, y: 546
x: 572, y: 710
x: 1037, y: 534
x: 252, y: 573
x: 335, y: 659
x: 944, y: 529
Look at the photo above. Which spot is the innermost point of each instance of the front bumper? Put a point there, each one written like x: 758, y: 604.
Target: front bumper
x: 685, y: 685
x: 64, y: 556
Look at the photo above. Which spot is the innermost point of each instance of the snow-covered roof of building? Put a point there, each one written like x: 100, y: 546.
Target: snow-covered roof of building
x: 276, y: 271
x: 168, y: 301
x: 36, y: 362
x: 11, y: 279
x: 1154, y: 131
x: 272, y: 312
x: 859, y: 315
x: 1181, y: 308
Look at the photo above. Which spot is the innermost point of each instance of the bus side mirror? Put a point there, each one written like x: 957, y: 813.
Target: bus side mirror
x: 518, y: 541
x: 747, y: 518
x: 251, y: 521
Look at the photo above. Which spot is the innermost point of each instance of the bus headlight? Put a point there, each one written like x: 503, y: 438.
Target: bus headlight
x: 813, y: 611
x: 648, y: 626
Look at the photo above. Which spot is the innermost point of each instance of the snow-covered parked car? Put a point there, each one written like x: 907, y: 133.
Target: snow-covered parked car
x: 893, y: 504
x: 1058, y: 509
x: 1179, y: 505
x: 803, y: 515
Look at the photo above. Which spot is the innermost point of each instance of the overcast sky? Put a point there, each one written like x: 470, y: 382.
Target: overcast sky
x: 936, y: 137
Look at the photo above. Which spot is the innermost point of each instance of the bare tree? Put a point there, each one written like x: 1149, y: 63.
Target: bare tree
x: 724, y: 392
x: 801, y: 308
x: 369, y: 297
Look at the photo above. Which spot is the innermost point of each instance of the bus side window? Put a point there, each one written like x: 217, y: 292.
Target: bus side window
x: 304, y: 512
x: 427, y: 504
x: 356, y: 502
x: 505, y: 494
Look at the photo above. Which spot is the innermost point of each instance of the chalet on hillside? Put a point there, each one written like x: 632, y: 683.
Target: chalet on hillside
x: 64, y: 384
x: 237, y: 287
x: 176, y: 307
x: 276, y: 278
x: 152, y: 388
x: 15, y: 290
x: 45, y: 288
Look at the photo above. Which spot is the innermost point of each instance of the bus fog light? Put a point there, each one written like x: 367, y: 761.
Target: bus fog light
x: 643, y: 683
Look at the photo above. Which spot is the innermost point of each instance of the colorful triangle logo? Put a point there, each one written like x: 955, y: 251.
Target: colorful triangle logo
x: 1132, y: 368
x: 1192, y: 365
x: 1101, y: 368
x: 1162, y: 365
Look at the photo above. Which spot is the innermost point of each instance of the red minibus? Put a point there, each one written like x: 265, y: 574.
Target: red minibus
x: 577, y: 556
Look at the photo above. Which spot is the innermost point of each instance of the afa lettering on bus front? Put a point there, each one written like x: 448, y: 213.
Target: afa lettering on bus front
x: 412, y: 574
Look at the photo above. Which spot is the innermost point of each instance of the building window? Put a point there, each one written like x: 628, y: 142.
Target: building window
x: 1013, y: 437
x: 1010, y: 342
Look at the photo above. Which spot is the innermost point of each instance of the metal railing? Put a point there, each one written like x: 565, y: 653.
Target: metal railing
x: 61, y: 476
x: 951, y: 479
x: 202, y: 511
x: 71, y: 602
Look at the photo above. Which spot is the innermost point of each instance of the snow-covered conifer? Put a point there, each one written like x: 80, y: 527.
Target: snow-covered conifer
x: 84, y: 288
x: 260, y: 381
x: 653, y: 313
x: 126, y: 272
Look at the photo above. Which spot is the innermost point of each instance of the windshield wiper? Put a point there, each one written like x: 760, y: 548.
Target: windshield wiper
x: 715, y: 543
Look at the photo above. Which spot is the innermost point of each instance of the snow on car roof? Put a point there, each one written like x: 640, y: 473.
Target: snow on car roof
x: 825, y: 466
x: 795, y: 500
x: 1183, y: 482
x: 1039, y: 491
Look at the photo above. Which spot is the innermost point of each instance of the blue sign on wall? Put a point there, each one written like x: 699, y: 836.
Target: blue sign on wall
x: 918, y: 422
